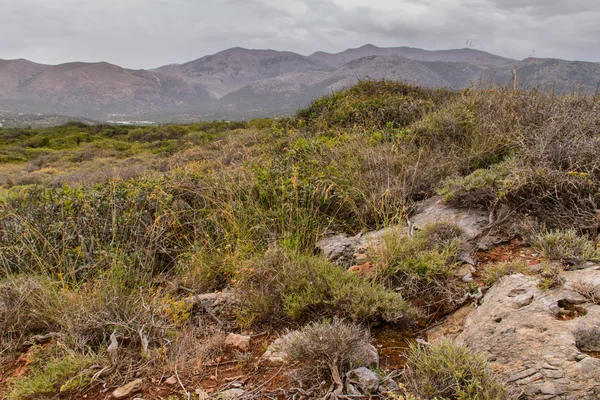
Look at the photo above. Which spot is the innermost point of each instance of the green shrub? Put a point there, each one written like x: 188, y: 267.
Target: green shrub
x: 53, y: 371
x: 565, y: 246
x: 494, y: 271
x: 447, y: 370
x: 414, y: 262
x: 298, y: 287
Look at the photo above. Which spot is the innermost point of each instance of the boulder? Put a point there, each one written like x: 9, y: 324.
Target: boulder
x: 238, y: 342
x: 128, y: 390
x: 364, y: 379
x: 544, y: 343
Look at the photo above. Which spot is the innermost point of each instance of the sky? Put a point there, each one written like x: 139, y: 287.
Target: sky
x: 151, y: 33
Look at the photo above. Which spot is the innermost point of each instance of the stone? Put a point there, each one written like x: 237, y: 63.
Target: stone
x: 171, y: 380
x: 274, y: 356
x: 233, y: 393
x: 351, y: 390
x: 523, y: 331
x: 372, y: 359
x: 471, y: 221
x: 364, y: 379
x: 128, y: 390
x: 388, y: 385
x: 238, y: 342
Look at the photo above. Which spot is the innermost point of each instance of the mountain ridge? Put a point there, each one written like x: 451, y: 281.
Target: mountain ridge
x: 240, y: 83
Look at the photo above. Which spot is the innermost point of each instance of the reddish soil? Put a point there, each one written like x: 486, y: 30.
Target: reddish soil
x: 514, y: 250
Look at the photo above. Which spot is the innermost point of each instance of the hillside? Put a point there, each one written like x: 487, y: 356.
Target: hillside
x: 242, y: 83
x: 389, y: 240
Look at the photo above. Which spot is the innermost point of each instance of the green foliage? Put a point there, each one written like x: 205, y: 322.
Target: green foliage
x: 373, y: 104
x: 53, y: 370
x: 494, y: 271
x: 447, y: 370
x: 300, y: 287
x: 429, y: 255
x: 566, y: 246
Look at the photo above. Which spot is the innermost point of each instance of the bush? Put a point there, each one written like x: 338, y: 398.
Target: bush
x: 492, y: 272
x: 328, y: 349
x: 53, y: 370
x: 27, y: 306
x: 565, y: 246
x: 447, y: 370
x: 297, y: 287
x: 421, y: 262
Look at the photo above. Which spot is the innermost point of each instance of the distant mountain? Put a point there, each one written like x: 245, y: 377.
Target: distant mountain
x: 469, y: 56
x: 238, y: 83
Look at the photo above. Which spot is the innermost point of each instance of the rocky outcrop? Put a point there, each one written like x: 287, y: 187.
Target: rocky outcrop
x: 475, y: 223
x: 545, y: 343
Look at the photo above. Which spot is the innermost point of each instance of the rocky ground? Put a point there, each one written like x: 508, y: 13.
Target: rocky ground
x: 545, y: 342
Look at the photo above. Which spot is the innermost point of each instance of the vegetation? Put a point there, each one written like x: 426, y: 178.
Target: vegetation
x: 565, y: 246
x: 493, y: 272
x: 107, y: 231
x: 328, y: 349
x: 447, y: 370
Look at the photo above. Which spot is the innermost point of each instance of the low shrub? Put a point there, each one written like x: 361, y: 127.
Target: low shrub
x: 494, y: 271
x: 328, y: 349
x: 53, y: 370
x: 421, y: 262
x: 297, y: 287
x: 447, y: 370
x: 565, y: 246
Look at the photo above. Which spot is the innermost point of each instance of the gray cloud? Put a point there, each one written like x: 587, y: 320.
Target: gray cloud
x: 148, y: 33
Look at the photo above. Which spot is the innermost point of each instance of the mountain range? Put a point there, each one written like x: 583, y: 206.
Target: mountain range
x: 242, y: 83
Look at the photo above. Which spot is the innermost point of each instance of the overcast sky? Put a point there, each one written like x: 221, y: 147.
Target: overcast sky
x: 150, y: 33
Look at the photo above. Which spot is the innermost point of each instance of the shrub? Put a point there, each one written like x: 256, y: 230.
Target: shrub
x: 373, y: 103
x: 27, y: 307
x: 494, y: 271
x: 565, y: 246
x: 53, y: 370
x: 447, y: 370
x: 420, y: 262
x: 297, y: 287
x: 328, y: 349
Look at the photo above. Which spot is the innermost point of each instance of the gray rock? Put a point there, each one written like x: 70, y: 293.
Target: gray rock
x: 372, y: 358
x: 128, y: 390
x: 388, y: 385
x: 351, y: 390
x: 364, y: 379
x: 533, y: 339
x: 471, y: 221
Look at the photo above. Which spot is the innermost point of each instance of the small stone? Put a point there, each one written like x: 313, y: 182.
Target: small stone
x: 233, y: 393
x: 239, y: 342
x: 128, y: 390
x: 171, y: 381
x: 365, y: 379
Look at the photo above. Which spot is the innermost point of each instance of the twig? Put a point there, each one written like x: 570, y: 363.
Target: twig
x: 188, y: 394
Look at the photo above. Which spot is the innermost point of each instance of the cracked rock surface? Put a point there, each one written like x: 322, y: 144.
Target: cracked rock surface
x: 544, y: 343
